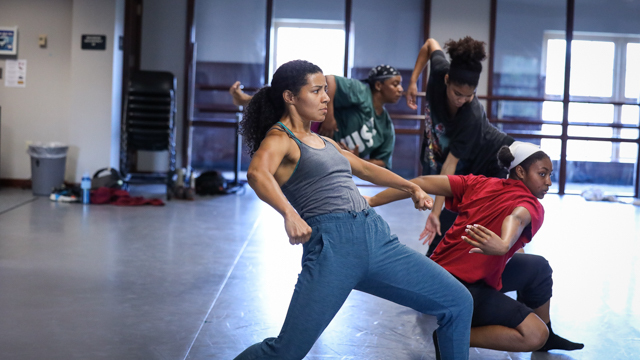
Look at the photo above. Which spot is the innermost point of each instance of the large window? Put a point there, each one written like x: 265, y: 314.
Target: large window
x: 603, y: 77
x: 320, y: 42
x: 592, y: 134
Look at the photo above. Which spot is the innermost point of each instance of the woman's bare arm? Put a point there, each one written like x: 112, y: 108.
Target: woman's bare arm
x: 424, y: 55
x: 489, y: 243
x: 434, y: 184
x: 383, y: 177
x: 261, y: 177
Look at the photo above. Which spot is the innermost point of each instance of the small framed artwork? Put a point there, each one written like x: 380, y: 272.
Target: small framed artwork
x: 8, y: 40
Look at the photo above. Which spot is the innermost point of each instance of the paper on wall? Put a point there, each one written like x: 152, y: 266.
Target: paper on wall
x: 15, y: 73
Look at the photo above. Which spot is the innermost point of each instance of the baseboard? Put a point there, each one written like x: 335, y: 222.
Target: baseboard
x: 16, y: 183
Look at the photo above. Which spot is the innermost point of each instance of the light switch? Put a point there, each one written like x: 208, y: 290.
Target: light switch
x: 42, y: 40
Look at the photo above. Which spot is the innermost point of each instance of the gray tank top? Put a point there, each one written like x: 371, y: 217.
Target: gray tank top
x: 321, y: 182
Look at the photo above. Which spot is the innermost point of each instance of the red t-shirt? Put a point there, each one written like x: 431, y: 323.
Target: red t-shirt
x: 487, y: 202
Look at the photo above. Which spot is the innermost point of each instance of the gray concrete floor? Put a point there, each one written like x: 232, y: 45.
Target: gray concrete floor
x: 204, y: 279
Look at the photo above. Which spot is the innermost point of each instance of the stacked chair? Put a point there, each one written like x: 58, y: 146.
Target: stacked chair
x: 148, y: 123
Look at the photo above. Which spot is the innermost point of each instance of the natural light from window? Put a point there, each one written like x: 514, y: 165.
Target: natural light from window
x: 632, y: 79
x: 555, y: 67
x: 304, y: 43
x: 593, y: 64
x: 591, y: 68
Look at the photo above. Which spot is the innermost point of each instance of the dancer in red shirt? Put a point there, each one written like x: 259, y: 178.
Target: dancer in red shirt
x: 496, y: 218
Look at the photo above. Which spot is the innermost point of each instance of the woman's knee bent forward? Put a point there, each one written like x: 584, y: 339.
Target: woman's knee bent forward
x: 534, y: 332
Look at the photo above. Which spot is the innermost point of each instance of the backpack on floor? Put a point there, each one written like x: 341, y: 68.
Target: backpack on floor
x: 108, y: 177
x: 211, y: 183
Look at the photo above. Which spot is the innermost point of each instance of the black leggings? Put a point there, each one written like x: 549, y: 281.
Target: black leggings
x: 529, y: 275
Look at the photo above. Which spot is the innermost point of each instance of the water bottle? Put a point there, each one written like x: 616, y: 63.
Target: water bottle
x: 85, y: 185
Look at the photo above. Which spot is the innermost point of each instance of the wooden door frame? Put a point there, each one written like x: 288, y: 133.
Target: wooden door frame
x: 131, y: 42
x: 131, y: 50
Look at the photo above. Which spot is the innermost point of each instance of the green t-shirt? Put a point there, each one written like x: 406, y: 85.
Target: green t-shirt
x: 358, y: 122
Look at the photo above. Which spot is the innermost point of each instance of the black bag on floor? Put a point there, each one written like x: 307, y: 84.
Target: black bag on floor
x: 108, y: 177
x: 211, y: 183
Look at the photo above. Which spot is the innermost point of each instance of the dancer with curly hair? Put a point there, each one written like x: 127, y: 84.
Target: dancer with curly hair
x: 356, y: 116
x: 458, y: 138
x: 497, y: 218
x: 346, y: 245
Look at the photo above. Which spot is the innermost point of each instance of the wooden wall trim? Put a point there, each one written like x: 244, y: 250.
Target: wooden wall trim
x: 566, y: 98
x: 347, y: 35
x: 492, y: 52
x: 189, y: 79
x: 16, y: 183
x: 426, y: 20
x: 267, y: 42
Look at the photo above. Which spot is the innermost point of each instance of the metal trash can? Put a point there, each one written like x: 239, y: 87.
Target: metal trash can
x: 48, y: 162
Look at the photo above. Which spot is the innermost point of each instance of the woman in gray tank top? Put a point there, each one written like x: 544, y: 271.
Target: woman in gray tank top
x: 346, y: 245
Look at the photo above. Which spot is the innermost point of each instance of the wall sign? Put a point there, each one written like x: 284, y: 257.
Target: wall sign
x: 94, y: 42
x: 16, y: 73
x: 8, y: 40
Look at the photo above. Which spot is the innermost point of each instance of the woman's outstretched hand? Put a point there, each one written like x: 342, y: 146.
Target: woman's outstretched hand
x: 431, y: 227
x: 421, y: 200
x: 411, y: 94
x: 298, y: 231
x: 485, y: 241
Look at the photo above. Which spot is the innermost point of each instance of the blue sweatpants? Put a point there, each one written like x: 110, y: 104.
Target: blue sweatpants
x: 356, y: 251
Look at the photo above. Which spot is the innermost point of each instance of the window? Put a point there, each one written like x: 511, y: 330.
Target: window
x: 320, y: 42
x: 604, y: 73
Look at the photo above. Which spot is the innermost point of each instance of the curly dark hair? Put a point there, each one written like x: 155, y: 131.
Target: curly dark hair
x: 505, y: 157
x: 267, y: 105
x: 466, y: 55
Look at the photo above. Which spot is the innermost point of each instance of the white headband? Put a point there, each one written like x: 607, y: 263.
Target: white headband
x: 521, y: 151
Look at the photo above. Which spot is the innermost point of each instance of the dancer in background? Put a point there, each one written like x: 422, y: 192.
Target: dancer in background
x: 458, y: 137
x: 356, y: 117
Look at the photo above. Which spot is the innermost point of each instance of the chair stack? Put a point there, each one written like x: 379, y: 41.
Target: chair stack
x: 149, y: 124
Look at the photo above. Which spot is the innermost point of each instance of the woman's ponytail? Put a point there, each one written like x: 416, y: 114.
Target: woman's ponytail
x: 505, y: 157
x: 258, y: 117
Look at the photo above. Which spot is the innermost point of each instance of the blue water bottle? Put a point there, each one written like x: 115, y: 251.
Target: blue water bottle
x: 85, y: 185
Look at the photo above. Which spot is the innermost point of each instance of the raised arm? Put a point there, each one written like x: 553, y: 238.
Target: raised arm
x: 433, y: 184
x: 489, y: 243
x: 262, y: 178
x: 383, y: 177
x: 424, y: 55
x: 240, y: 98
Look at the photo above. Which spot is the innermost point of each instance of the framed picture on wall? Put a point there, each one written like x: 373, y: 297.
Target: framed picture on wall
x: 8, y: 40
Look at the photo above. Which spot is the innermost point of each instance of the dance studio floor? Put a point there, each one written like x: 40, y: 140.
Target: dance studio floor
x: 207, y: 278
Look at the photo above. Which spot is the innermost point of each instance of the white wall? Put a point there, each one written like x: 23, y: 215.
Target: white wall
x: 387, y: 32
x: 41, y: 110
x: 382, y: 35
x: 391, y: 36
x: 95, y: 87
x: 459, y: 18
x: 164, y: 24
x: 71, y: 95
x: 241, y: 43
